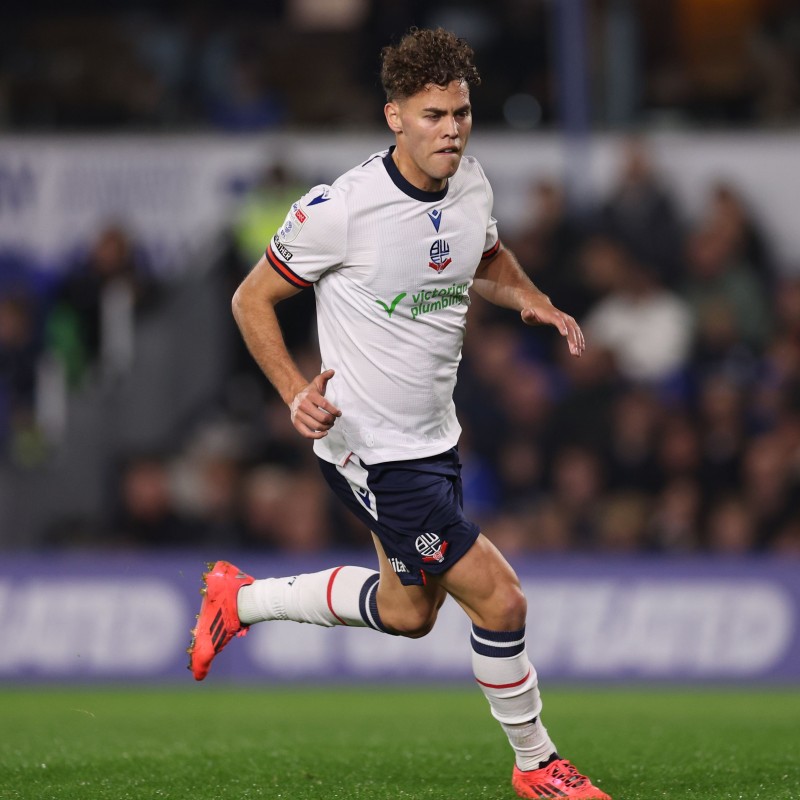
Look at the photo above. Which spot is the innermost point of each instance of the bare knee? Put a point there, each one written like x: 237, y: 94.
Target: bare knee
x: 413, y: 624
x: 506, y: 611
x: 514, y: 608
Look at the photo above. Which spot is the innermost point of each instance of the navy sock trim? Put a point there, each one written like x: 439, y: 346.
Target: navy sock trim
x: 373, y: 610
x: 368, y: 604
x: 498, y: 636
x: 497, y: 644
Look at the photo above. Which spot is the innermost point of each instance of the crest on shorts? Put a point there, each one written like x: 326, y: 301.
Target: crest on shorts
x: 431, y: 548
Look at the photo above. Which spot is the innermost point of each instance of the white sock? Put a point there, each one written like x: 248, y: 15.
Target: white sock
x: 339, y: 596
x: 511, y: 686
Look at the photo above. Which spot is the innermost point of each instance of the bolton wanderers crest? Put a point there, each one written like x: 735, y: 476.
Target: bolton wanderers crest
x: 430, y: 547
x: 440, y: 255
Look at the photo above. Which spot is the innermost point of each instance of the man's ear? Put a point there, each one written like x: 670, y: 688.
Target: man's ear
x: 392, y: 112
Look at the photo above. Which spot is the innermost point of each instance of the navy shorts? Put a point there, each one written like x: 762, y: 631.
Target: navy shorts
x: 414, y: 507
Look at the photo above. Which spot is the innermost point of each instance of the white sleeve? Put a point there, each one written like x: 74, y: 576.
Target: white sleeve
x: 312, y: 239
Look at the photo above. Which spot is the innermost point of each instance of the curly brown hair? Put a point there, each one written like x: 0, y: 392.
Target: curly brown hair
x: 425, y: 57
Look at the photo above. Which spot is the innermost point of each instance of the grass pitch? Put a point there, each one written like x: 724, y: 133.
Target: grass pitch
x: 204, y: 743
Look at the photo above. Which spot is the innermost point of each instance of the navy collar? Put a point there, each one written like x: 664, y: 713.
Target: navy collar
x: 408, y: 188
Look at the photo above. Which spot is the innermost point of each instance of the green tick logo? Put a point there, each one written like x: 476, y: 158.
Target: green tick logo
x: 390, y: 309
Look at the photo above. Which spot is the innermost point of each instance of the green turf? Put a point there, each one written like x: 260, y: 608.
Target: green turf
x: 204, y: 742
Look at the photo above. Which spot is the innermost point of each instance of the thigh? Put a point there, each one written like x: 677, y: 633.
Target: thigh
x: 485, y: 585
x: 402, y: 605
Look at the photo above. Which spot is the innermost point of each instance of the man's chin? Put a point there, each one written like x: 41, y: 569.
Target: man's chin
x: 445, y: 165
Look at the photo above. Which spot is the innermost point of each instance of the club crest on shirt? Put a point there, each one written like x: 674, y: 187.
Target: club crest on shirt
x: 440, y: 255
x: 431, y: 547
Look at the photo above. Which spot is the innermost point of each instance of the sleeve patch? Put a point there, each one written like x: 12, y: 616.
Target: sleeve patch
x: 293, y: 223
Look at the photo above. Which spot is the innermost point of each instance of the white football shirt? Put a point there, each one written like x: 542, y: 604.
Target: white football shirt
x: 391, y: 266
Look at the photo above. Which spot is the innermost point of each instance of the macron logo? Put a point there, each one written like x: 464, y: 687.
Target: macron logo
x: 435, y: 217
x: 321, y: 198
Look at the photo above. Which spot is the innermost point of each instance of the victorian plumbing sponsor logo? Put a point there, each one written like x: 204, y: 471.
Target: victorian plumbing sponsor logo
x: 428, y: 300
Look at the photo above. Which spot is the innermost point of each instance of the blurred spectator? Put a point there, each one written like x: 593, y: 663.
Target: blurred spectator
x: 147, y: 514
x: 588, y: 388
x: 642, y: 214
x: 95, y: 314
x: 521, y: 471
x: 480, y: 483
x: 645, y: 326
x: 577, y: 488
x: 674, y: 525
x: 678, y: 450
x: 261, y: 214
x: 631, y: 441
x: 770, y: 488
x: 719, y: 282
x: 526, y: 398
x: 551, y: 531
x: 731, y: 527
x: 787, y: 541
x: 547, y: 246
x: 263, y: 211
x: 722, y: 425
x: 206, y: 484
x: 719, y: 348
x: 787, y: 306
x: 623, y: 518
x: 219, y: 509
x: 512, y: 533
x: 728, y: 210
x: 284, y: 509
x: 490, y: 358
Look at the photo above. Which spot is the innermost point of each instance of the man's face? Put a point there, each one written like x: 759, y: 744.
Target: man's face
x: 432, y: 128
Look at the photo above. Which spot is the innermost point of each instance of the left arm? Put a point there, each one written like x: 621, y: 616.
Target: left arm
x: 502, y: 281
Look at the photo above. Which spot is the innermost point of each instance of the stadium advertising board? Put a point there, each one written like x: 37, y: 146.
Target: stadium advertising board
x: 127, y: 618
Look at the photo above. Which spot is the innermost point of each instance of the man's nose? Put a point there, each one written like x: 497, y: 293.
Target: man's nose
x: 451, y: 126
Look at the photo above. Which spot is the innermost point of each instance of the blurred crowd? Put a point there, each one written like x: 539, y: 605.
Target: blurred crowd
x: 677, y: 431
x: 248, y: 66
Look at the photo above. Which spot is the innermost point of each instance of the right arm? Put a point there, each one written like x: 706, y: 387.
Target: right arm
x: 254, y: 310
